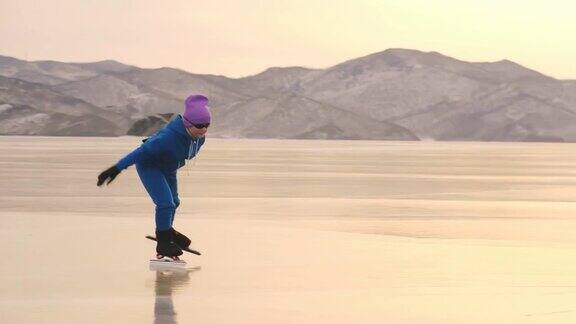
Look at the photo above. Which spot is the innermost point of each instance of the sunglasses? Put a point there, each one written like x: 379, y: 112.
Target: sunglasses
x: 199, y: 126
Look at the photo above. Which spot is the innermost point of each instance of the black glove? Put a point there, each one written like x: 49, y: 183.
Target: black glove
x: 110, y: 174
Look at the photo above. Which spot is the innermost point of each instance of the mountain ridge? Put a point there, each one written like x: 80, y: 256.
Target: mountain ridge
x: 392, y: 94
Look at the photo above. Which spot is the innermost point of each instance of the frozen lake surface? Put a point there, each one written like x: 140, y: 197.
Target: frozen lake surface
x: 293, y: 232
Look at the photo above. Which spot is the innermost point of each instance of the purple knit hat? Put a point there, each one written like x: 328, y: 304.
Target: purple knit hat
x: 196, y: 111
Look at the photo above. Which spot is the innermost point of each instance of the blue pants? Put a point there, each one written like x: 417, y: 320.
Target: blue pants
x: 162, y: 188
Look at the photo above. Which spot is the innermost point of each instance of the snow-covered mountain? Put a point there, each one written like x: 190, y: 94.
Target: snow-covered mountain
x: 396, y: 94
x: 35, y: 109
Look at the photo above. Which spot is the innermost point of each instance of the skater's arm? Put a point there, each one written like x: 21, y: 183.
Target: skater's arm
x: 130, y: 159
x: 153, y: 147
x: 112, y: 172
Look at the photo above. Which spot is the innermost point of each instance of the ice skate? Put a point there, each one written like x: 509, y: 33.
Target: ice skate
x: 165, y: 245
x: 187, y: 249
x: 167, y: 251
x: 180, y: 239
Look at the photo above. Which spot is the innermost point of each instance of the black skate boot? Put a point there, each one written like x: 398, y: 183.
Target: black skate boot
x: 180, y: 239
x: 165, y: 245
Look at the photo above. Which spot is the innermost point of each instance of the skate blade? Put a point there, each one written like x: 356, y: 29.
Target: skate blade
x: 166, y: 262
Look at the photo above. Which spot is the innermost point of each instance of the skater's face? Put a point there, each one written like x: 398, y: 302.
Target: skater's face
x: 198, y: 130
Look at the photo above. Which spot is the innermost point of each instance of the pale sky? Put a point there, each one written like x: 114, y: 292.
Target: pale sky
x: 243, y: 37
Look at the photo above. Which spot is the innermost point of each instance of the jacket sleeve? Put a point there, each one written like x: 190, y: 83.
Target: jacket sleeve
x: 152, y: 148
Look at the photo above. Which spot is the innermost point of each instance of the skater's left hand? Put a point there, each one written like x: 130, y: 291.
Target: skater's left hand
x: 109, y: 174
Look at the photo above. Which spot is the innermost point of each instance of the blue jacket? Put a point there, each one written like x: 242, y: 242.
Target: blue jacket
x: 168, y: 149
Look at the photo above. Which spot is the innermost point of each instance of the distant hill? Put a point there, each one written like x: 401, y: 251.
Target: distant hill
x: 397, y: 94
x: 35, y: 109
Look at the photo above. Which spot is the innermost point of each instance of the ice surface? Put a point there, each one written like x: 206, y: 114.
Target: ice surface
x: 293, y: 232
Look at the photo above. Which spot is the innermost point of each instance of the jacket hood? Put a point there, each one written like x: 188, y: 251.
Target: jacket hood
x: 177, y: 125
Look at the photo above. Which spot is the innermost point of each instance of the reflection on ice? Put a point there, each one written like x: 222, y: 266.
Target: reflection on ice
x: 167, y: 281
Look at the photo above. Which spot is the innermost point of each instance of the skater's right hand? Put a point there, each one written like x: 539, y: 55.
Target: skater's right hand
x: 109, y: 174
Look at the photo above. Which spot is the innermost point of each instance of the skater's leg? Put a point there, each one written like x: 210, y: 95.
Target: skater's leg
x: 181, y: 240
x: 155, y: 183
x: 173, y: 184
x: 157, y: 187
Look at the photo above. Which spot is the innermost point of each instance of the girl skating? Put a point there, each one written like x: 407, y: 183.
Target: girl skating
x: 157, y: 161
